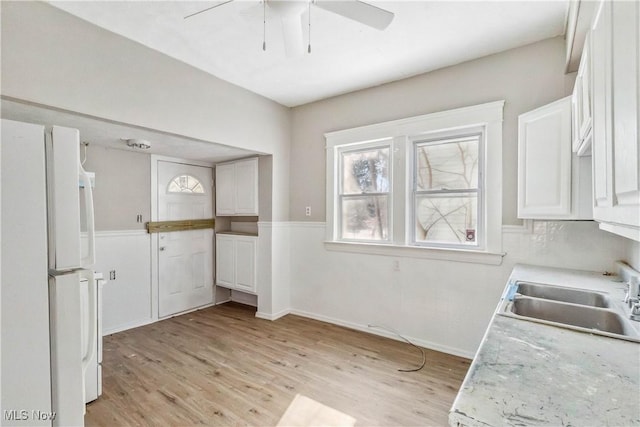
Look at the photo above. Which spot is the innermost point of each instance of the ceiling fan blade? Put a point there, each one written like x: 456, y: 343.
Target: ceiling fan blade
x: 292, y: 35
x: 208, y: 9
x: 359, y: 11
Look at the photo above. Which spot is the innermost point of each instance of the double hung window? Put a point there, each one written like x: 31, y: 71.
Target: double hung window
x: 447, y: 191
x: 364, y: 193
x: 427, y: 186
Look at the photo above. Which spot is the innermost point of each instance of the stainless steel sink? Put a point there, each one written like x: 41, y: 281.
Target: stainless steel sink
x: 595, y: 320
x: 558, y: 293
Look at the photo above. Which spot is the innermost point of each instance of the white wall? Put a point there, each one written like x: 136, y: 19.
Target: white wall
x: 525, y: 78
x: 123, y: 187
x: 126, y: 300
x: 633, y: 254
x: 438, y: 304
x: 56, y: 60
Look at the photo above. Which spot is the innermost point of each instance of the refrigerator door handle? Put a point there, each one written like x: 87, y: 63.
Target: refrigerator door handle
x: 91, y: 322
x: 90, y: 259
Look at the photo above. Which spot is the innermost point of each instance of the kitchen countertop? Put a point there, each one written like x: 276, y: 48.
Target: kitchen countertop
x: 527, y: 373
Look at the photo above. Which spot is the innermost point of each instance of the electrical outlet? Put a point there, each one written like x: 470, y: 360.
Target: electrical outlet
x: 307, y: 211
x: 112, y: 275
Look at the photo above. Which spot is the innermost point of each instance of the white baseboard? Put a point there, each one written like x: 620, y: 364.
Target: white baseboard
x: 191, y: 310
x: 364, y: 328
x: 131, y: 325
x: 275, y: 316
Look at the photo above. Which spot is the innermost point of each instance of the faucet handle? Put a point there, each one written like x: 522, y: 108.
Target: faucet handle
x: 635, y: 312
x: 633, y: 290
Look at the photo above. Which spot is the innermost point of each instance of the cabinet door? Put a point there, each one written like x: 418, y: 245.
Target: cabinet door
x: 246, y: 191
x: 225, y: 189
x: 245, y: 259
x: 581, y: 103
x: 544, y: 162
x: 626, y: 153
x: 225, y: 261
x: 585, y: 78
x: 601, y: 49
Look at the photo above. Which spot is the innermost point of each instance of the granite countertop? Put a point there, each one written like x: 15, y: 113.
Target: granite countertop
x: 527, y: 373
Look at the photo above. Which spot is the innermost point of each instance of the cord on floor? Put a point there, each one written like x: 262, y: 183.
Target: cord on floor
x: 424, y: 356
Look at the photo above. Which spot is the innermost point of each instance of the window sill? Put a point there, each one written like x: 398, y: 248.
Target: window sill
x: 457, y: 255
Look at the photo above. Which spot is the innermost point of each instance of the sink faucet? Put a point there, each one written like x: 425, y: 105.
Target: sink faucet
x: 635, y: 309
x: 633, y: 298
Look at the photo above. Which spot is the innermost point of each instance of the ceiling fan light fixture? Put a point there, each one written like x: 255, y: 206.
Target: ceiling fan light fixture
x: 290, y: 13
x: 137, y: 143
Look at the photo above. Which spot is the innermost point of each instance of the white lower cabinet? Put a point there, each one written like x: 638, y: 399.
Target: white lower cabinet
x: 236, y: 262
x: 553, y: 182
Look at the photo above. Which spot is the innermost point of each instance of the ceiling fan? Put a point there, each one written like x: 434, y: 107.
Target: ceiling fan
x: 290, y: 13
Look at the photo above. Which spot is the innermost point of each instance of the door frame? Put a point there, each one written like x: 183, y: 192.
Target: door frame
x: 155, y: 280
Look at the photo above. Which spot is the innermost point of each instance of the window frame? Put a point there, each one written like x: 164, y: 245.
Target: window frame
x: 402, y: 134
x: 339, y: 197
x: 434, y: 138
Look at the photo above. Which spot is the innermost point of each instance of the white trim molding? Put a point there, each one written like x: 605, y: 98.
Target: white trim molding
x: 488, y: 117
x: 383, y: 333
x: 275, y: 316
x: 120, y: 233
x: 128, y: 326
x: 307, y: 224
x: 444, y: 254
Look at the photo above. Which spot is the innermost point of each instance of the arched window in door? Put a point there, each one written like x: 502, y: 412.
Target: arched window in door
x: 185, y: 184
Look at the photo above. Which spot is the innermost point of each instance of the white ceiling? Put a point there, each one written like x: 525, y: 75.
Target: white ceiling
x: 346, y: 55
x: 112, y: 134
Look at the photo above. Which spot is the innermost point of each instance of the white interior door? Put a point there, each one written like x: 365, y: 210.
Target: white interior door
x: 185, y: 258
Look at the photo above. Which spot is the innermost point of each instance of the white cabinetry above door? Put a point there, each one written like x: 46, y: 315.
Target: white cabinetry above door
x: 236, y: 262
x: 553, y: 183
x: 237, y: 188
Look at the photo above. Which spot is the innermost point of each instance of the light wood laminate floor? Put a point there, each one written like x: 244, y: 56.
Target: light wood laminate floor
x: 222, y: 366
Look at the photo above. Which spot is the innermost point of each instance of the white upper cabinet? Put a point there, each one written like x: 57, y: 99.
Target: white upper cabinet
x: 602, y: 115
x: 246, y: 189
x: 615, y: 66
x: 552, y: 182
x: 582, y: 105
x: 237, y: 188
x: 225, y: 189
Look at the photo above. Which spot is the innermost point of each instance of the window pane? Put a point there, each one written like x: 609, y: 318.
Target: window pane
x: 365, y: 171
x: 185, y: 184
x: 365, y: 218
x: 449, y: 219
x: 448, y: 165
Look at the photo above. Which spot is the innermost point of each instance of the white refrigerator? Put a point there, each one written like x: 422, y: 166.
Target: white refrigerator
x: 43, y: 354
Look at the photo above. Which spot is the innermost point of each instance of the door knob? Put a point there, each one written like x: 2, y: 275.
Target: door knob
x: 162, y: 248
